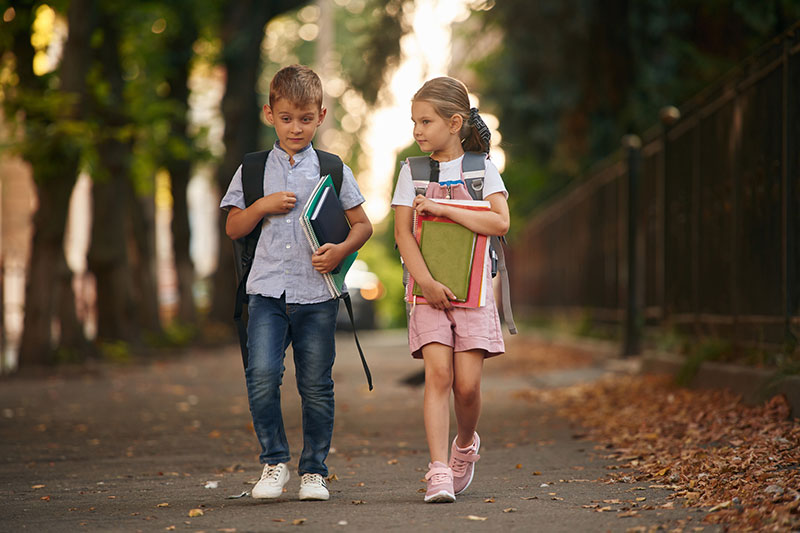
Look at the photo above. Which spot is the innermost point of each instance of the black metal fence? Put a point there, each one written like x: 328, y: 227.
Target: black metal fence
x: 695, y: 226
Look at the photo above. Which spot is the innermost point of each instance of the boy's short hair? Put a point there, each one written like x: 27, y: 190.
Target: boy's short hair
x: 298, y: 84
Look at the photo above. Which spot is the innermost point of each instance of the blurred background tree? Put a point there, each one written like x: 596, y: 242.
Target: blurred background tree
x: 569, y: 78
x: 106, y: 88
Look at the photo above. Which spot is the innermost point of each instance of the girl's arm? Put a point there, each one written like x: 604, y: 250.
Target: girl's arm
x: 240, y: 222
x: 437, y: 295
x: 493, y: 222
x: 328, y: 256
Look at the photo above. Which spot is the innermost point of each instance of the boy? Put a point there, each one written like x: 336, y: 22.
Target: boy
x: 288, y: 300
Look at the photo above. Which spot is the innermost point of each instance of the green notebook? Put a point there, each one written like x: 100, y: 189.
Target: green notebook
x: 447, y: 249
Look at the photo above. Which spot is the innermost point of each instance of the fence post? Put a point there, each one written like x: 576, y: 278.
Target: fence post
x: 632, y: 145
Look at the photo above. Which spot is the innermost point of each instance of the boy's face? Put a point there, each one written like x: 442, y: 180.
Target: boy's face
x: 294, y: 125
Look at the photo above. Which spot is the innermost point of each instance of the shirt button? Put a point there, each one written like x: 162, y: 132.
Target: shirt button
x: 288, y: 220
x: 288, y: 246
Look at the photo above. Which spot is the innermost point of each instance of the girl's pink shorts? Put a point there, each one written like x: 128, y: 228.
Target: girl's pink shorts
x: 460, y: 328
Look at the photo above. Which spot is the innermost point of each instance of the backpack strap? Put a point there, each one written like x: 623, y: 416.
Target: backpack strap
x: 244, y: 249
x: 505, y: 288
x: 332, y: 164
x: 473, y: 170
x: 421, y: 173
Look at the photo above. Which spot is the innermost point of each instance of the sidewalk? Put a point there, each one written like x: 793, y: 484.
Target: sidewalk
x: 139, y: 447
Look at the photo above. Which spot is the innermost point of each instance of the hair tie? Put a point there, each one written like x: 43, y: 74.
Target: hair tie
x: 477, y: 122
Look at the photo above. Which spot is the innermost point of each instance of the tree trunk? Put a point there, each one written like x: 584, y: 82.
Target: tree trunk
x: 108, y: 254
x: 179, y: 167
x: 143, y: 268
x: 48, y: 291
x: 242, y: 34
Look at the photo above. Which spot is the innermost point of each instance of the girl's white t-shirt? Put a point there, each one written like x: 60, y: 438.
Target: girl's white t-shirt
x: 448, y: 171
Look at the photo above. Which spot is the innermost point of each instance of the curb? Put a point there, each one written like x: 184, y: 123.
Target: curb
x: 755, y: 385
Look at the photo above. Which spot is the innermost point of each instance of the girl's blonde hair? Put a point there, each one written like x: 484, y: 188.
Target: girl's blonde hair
x: 449, y: 97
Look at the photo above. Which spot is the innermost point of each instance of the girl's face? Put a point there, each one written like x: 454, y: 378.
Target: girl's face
x: 434, y: 133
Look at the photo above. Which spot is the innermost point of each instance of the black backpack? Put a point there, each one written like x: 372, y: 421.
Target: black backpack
x: 473, y: 170
x: 244, y: 249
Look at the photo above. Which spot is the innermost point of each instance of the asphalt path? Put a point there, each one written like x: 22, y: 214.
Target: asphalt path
x: 167, y: 445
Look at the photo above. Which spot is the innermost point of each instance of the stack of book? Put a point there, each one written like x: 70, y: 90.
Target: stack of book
x: 454, y: 255
x: 323, y: 221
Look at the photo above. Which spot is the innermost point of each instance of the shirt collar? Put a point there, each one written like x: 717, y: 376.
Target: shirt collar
x: 299, y: 156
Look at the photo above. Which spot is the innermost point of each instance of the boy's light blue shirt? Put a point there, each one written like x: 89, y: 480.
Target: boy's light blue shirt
x: 282, y: 261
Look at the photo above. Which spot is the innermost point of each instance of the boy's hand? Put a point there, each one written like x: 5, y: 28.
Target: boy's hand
x: 327, y: 257
x: 278, y: 202
x: 426, y: 206
x: 437, y: 294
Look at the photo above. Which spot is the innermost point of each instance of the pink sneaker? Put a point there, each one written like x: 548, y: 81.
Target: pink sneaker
x: 462, y: 462
x: 440, y: 484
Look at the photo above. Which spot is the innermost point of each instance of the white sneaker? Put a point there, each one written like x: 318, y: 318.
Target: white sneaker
x: 272, y: 481
x: 313, y: 487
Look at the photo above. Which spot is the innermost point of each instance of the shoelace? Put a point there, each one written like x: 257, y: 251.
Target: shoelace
x: 459, y: 466
x: 440, y: 477
x: 313, y: 479
x: 272, y: 473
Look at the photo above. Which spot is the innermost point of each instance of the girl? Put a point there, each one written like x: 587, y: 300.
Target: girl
x: 453, y: 342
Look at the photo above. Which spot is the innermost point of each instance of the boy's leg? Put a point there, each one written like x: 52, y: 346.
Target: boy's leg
x: 312, y: 329
x: 268, y: 338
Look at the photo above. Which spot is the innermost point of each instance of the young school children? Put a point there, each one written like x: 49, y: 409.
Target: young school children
x: 288, y: 299
x: 452, y: 341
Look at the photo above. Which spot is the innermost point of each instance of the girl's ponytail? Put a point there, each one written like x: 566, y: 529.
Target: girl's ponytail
x: 478, y: 138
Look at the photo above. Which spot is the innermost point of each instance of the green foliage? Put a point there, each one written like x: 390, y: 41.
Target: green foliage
x: 115, y: 351
x: 571, y: 77
x: 371, y: 46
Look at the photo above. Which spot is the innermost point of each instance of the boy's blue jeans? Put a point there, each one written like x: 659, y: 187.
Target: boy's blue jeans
x: 272, y: 326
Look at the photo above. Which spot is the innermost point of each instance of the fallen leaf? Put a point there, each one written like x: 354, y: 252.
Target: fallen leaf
x: 719, y: 506
x: 38, y: 486
x: 476, y: 518
x: 298, y: 521
x: 45, y: 498
x: 279, y: 520
x: 641, y: 499
x: 392, y: 462
x: 333, y: 477
x: 529, y: 498
x: 358, y: 502
x: 519, y: 465
x: 628, y: 514
x: 510, y: 510
x: 536, y: 473
x: 170, y: 528
x: 193, y: 513
x: 163, y: 504
x: 488, y: 500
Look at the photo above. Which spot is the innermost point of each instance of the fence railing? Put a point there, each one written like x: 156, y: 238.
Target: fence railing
x: 695, y: 226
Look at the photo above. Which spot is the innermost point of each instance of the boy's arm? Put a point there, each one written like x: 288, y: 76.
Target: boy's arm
x: 328, y: 256
x: 493, y: 222
x: 436, y: 294
x: 241, y: 222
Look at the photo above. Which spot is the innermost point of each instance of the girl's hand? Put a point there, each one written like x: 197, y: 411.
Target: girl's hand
x: 437, y: 294
x: 327, y: 257
x: 278, y: 203
x: 426, y: 206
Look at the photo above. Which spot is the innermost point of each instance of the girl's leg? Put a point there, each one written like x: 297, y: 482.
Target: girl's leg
x: 438, y: 360
x: 467, y: 369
